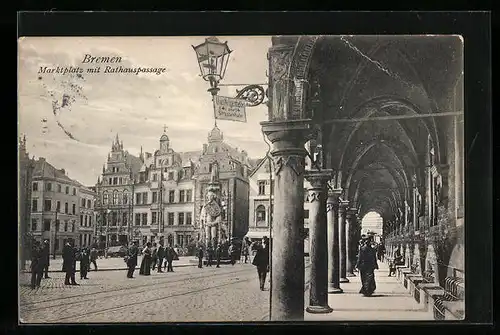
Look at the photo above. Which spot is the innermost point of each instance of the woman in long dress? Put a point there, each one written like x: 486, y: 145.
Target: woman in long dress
x: 146, y: 260
x: 367, y: 264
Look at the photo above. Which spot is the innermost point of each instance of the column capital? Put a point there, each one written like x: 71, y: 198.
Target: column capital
x: 343, y: 206
x: 332, y: 202
x: 318, y: 178
x: 351, y: 213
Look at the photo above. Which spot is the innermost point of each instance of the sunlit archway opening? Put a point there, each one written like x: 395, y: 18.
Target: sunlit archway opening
x: 372, y: 222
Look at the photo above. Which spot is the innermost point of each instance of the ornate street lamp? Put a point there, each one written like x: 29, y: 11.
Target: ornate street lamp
x: 213, y: 56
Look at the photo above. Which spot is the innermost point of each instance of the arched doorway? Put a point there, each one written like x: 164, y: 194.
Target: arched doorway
x: 372, y: 222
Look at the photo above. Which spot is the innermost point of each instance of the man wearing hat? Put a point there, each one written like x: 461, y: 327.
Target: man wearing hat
x: 132, y: 259
x: 45, y: 257
x: 261, y: 261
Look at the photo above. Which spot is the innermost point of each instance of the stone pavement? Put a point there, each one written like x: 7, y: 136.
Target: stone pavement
x: 190, y: 294
x: 390, y: 302
x: 114, y: 263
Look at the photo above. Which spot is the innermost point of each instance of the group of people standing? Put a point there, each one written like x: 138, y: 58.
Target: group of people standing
x: 40, y: 261
x: 154, y: 256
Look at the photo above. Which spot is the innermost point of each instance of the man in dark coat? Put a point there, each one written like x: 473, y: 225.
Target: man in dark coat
x: 69, y: 263
x: 200, y: 257
x: 160, y: 254
x: 84, y: 263
x: 46, y: 258
x: 132, y: 259
x: 261, y: 261
x: 36, y: 265
x: 169, y: 257
x: 367, y: 263
x: 210, y: 255
x: 154, y: 257
x: 218, y: 254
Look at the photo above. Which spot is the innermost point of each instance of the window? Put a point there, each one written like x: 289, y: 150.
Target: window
x: 125, y: 198
x: 83, y: 203
x: 115, y: 197
x: 35, y: 187
x: 124, y: 219
x: 105, y: 198
x: 170, y: 219
x: 49, y: 186
x: 306, y: 214
x: 59, y: 188
x: 86, y: 220
x: 110, y: 181
x: 181, y: 195
x: 155, y: 197
x: 34, y: 205
x: 66, y: 208
x: 181, y: 174
x: 47, y: 205
x: 262, y: 187
x: 46, y: 225
x: 170, y: 176
x: 144, y: 219
x: 65, y: 225
x: 181, y: 219
x: 58, y: 206
x: 155, y: 177
x: 66, y: 190
x: 260, y: 215
x: 115, y: 180
x: 74, y: 191
x: 74, y: 209
x: 81, y: 220
x: 34, y: 224
x: 189, y: 195
x: 153, y: 218
x: 189, y: 218
x: 114, y: 218
x: 137, y: 198
x: 89, y: 204
x: 145, y: 197
x: 72, y: 227
x: 137, y: 219
x: 171, y: 196
x: 120, y: 181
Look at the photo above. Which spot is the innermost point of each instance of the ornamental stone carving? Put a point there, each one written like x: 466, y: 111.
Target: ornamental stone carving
x: 295, y: 162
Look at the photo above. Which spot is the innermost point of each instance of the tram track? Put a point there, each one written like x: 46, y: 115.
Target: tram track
x: 42, y: 304
x: 231, y: 277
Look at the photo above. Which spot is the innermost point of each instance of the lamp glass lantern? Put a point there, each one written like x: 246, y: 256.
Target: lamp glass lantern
x: 212, y: 56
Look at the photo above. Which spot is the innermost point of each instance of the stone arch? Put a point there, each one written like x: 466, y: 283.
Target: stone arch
x: 431, y: 264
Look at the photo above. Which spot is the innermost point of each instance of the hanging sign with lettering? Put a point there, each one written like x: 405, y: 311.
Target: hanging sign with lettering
x: 230, y: 109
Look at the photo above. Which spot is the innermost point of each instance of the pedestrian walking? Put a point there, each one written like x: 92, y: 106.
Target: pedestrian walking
x: 210, y: 255
x: 261, y: 261
x: 169, y: 258
x: 69, y: 263
x: 131, y: 259
x: 36, y: 265
x: 160, y: 254
x: 146, y: 260
x: 45, y: 258
x: 367, y: 264
x: 218, y: 254
x: 200, y: 257
x: 84, y: 262
x: 245, y: 252
x: 93, y: 258
x: 232, y: 254
x: 154, y: 257
x: 380, y: 252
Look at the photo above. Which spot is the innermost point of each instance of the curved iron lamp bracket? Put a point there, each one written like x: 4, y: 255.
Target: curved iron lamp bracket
x: 252, y: 94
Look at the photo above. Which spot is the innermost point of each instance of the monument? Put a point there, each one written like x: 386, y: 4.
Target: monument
x: 213, y: 231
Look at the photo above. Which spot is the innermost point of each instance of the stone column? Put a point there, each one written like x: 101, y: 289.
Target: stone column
x: 342, y: 236
x: 318, y: 292
x: 287, y: 252
x: 349, y: 233
x: 332, y: 209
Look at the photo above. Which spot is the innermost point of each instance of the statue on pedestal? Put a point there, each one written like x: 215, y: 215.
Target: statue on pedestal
x: 212, y: 230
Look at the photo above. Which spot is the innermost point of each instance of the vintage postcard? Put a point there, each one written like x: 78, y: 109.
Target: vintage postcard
x: 241, y: 178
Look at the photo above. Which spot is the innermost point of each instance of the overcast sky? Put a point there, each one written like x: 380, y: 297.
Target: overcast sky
x: 78, y: 137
